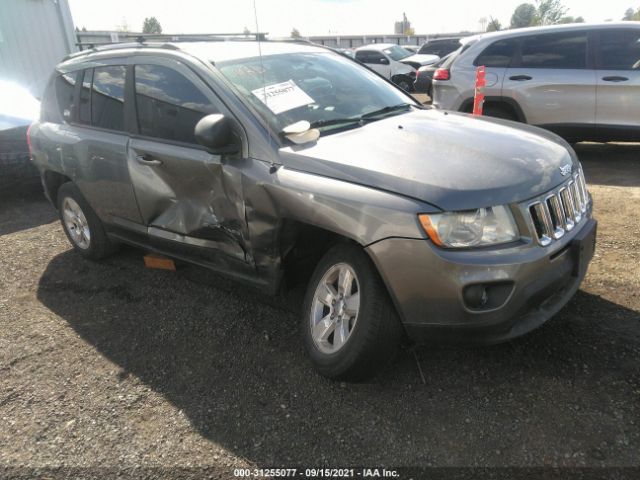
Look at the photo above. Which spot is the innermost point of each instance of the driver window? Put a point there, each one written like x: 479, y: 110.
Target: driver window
x: 378, y: 58
x: 169, y: 106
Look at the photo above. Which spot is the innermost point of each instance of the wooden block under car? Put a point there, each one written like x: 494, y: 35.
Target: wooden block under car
x: 153, y: 260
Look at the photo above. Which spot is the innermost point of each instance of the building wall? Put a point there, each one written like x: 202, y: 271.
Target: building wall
x: 34, y: 36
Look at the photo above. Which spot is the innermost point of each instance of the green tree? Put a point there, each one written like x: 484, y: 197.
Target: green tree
x: 151, y: 25
x: 570, y: 19
x: 494, y: 25
x: 295, y: 33
x: 523, y: 16
x: 549, y: 12
x: 630, y: 14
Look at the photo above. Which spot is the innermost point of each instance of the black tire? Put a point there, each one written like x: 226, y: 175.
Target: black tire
x: 98, y: 245
x: 499, y: 111
x: 404, y: 83
x: 376, y: 333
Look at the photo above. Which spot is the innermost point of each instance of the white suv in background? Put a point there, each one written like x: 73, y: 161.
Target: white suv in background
x: 394, y: 62
x: 580, y: 81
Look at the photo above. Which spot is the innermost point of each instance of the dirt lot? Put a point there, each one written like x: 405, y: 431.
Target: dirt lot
x: 114, y: 365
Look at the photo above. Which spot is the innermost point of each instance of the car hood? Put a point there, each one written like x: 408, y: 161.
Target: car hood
x: 421, y: 59
x: 449, y: 160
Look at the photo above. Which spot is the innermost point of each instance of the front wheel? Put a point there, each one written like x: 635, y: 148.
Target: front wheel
x: 405, y: 84
x: 349, y: 326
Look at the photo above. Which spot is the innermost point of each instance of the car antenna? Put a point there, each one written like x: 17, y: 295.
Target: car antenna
x: 273, y: 167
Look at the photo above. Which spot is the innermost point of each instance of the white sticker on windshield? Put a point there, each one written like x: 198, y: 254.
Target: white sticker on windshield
x: 281, y: 97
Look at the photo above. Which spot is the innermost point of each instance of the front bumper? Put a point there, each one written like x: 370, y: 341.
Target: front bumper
x: 532, y: 284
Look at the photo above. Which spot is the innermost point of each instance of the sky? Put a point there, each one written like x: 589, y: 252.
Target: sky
x: 317, y: 17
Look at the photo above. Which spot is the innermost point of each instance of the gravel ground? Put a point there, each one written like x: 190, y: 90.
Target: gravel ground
x: 111, y: 365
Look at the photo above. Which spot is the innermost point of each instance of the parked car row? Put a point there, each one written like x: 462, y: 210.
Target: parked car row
x: 394, y: 62
x: 400, y: 63
x: 580, y: 81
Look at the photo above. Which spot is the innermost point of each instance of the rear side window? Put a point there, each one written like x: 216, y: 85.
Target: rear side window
x: 498, y: 54
x: 169, y: 106
x: 430, y: 48
x: 65, y: 85
x: 107, y: 97
x: 620, y: 50
x: 557, y: 50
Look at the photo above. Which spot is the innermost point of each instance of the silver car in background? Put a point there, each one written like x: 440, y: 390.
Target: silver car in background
x: 580, y: 81
x: 394, y: 62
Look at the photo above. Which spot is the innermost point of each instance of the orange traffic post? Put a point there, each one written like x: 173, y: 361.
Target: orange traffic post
x: 478, y: 97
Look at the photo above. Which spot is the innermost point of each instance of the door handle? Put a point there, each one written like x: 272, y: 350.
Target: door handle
x: 520, y: 78
x: 147, y: 160
x: 615, y: 78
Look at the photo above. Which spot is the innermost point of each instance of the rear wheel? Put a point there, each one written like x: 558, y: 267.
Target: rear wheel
x: 81, y: 224
x: 350, y: 327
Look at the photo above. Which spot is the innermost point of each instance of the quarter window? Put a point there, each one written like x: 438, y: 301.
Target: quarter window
x: 169, y: 106
x: 107, y: 97
x: 557, y: 50
x: 620, y: 50
x: 498, y: 54
x: 65, y: 88
x: 84, y: 112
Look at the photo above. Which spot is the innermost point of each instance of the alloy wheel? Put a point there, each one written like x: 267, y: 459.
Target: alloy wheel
x: 76, y: 223
x: 334, y: 309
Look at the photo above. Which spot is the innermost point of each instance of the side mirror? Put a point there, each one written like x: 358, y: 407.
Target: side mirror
x: 384, y: 61
x: 215, y: 134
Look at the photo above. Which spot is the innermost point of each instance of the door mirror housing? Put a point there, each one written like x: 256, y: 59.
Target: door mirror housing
x: 384, y: 61
x: 214, y: 132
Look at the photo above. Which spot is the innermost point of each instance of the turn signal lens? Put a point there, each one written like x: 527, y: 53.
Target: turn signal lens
x: 425, y: 221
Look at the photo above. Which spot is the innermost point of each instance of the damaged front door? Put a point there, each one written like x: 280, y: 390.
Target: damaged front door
x: 190, y: 200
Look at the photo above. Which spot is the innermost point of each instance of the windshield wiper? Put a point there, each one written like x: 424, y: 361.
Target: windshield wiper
x: 362, y: 119
x: 385, y: 110
x: 335, y: 121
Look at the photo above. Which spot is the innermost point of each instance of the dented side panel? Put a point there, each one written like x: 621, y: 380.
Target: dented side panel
x: 275, y: 195
x: 189, y: 196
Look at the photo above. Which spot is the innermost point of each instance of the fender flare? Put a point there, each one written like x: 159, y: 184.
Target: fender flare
x: 467, y: 105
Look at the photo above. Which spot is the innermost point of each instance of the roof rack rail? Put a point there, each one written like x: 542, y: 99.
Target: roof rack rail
x: 119, y: 46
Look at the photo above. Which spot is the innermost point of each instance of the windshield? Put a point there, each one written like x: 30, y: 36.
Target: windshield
x: 321, y: 88
x: 397, y: 53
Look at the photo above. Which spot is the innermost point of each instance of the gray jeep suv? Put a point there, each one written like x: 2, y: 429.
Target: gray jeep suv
x: 282, y: 162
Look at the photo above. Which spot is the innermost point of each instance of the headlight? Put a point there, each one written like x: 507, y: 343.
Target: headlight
x: 472, y: 228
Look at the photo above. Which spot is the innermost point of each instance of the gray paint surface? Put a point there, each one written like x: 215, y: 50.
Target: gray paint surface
x: 34, y: 36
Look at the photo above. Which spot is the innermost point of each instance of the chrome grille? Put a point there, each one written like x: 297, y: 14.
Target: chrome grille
x: 560, y: 211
